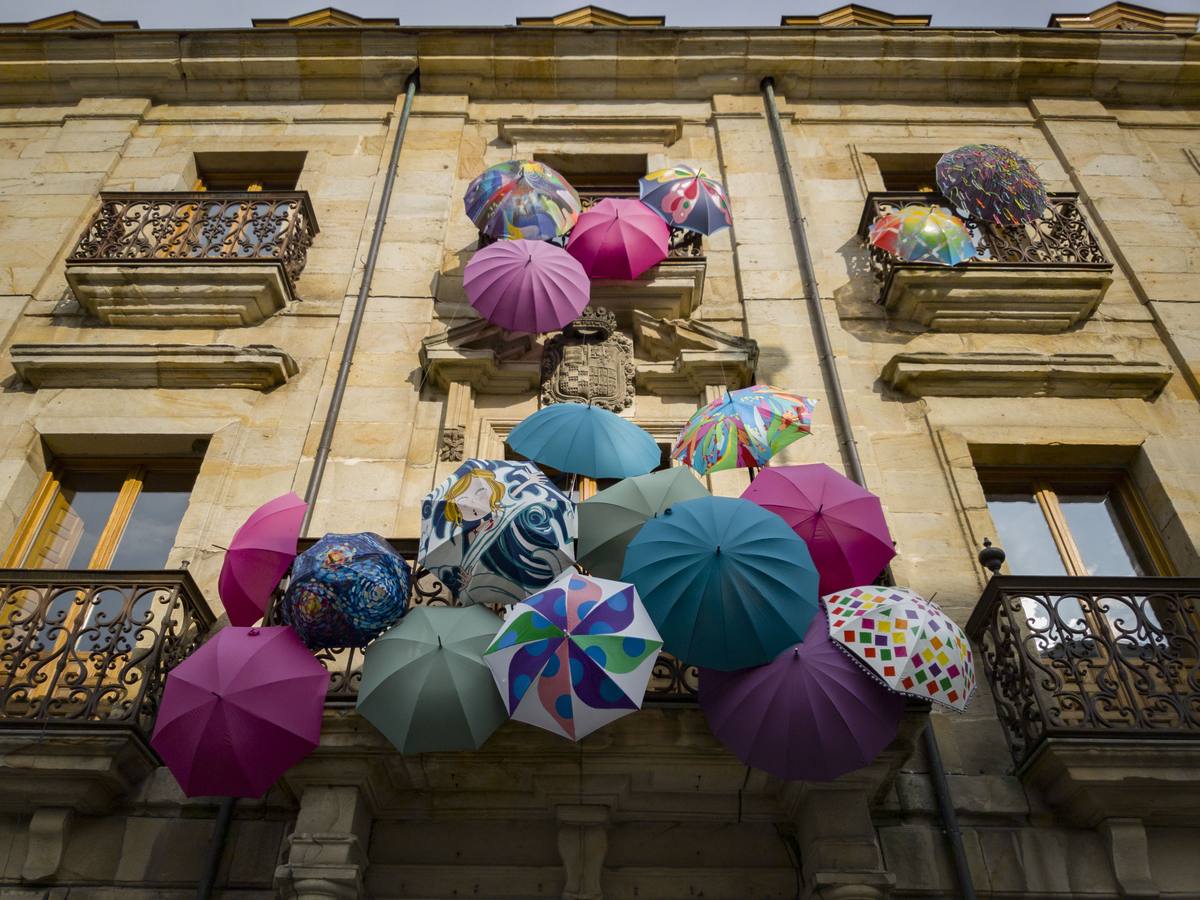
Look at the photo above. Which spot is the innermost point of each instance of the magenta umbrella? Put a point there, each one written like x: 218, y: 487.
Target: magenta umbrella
x: 619, y: 239
x: 528, y: 286
x: 240, y: 711
x: 842, y: 523
x: 259, y: 554
x: 811, y: 714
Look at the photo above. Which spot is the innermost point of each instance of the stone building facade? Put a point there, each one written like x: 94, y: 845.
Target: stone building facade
x: 1014, y: 399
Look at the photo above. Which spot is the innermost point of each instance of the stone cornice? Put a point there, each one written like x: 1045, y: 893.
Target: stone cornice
x: 564, y: 63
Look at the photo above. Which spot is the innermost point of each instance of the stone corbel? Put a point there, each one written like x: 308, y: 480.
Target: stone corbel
x: 47, y: 839
x: 1130, y: 855
x: 483, y: 356
x: 327, y: 853
x: 839, y: 852
x: 582, y: 844
x: 460, y: 403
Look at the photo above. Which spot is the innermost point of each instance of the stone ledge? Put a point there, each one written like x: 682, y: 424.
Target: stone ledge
x: 73, y: 766
x: 257, y: 367
x: 658, y: 130
x: 995, y: 298
x: 1097, y: 375
x: 670, y: 290
x: 1088, y: 780
x: 180, y: 294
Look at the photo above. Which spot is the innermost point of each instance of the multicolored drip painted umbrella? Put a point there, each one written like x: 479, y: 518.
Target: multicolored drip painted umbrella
x: 522, y: 199
x: 687, y: 198
x: 346, y: 589
x: 811, y: 714
x: 841, y: 522
x: 496, y: 531
x: 728, y: 584
x: 906, y: 640
x: 743, y: 428
x: 425, y: 685
x: 258, y: 556
x: 582, y: 439
x: 526, y: 286
x: 575, y: 656
x: 609, y: 520
x: 240, y: 711
x: 619, y: 238
x: 925, y: 234
x: 991, y: 184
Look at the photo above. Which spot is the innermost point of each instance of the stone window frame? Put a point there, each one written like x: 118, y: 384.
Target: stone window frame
x: 491, y: 433
x: 961, y: 451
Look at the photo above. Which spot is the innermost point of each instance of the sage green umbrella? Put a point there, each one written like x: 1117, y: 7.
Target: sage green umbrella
x: 609, y: 520
x: 425, y: 684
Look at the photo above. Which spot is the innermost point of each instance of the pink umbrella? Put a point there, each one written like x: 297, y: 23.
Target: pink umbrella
x: 619, y: 239
x: 259, y: 554
x: 528, y: 286
x: 240, y: 711
x: 842, y: 523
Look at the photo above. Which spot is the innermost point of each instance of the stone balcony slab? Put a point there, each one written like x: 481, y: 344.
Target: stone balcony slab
x: 1095, y: 375
x: 180, y: 295
x: 993, y: 298
x: 257, y: 367
x: 670, y: 290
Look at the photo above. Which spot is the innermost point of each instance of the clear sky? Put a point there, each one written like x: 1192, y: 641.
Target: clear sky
x: 237, y: 13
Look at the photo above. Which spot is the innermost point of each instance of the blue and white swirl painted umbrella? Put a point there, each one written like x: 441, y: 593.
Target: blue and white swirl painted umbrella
x: 497, y: 531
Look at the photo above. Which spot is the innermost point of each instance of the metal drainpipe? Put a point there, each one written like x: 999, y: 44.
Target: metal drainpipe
x: 845, y: 433
x: 216, y: 844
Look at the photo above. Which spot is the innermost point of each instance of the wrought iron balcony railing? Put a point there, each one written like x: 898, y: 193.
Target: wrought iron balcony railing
x: 683, y: 244
x: 671, y: 682
x: 1060, y: 239
x: 202, y: 227
x: 93, y: 646
x: 1091, y: 657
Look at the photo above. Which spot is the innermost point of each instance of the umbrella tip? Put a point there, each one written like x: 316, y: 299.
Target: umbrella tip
x: 796, y: 652
x: 718, y: 549
x: 439, y: 637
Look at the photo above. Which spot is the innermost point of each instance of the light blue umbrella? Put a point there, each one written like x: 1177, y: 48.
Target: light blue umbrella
x: 585, y: 440
x: 728, y: 583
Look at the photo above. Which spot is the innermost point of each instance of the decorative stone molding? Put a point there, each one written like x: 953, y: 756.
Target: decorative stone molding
x: 670, y: 290
x: 594, y: 16
x: 1126, y: 17
x: 257, y: 367
x: 686, y: 357
x: 178, y: 295
x: 994, y: 298
x: 453, y: 444
x: 852, y: 15
x: 1098, y: 375
x: 657, y: 130
x: 72, y: 20
x: 589, y: 362
x: 482, y: 355
x: 329, y: 17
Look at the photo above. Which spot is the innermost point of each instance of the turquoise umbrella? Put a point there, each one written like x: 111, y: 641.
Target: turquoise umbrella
x: 425, y: 685
x: 609, y: 520
x: 728, y: 583
x: 585, y: 440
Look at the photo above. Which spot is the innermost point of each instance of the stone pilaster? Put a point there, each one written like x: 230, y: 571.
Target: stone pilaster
x: 327, y: 853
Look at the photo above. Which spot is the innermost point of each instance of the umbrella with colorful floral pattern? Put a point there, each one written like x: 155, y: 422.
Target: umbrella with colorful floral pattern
x: 687, y: 198
x: 743, y: 428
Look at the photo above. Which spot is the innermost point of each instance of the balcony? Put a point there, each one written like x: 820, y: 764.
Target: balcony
x: 83, y: 657
x: 669, y: 290
x: 214, y: 259
x: 1046, y: 277
x: 1097, y: 684
x: 672, y: 682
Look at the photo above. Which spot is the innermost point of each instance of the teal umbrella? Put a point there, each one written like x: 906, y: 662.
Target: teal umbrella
x: 585, y: 440
x: 425, y: 685
x: 609, y: 520
x: 728, y: 583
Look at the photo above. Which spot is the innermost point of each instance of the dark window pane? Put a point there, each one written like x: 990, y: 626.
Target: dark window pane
x: 1025, y: 535
x: 151, y: 531
x: 1102, y: 541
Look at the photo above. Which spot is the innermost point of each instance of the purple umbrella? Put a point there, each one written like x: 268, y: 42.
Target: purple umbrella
x: 240, y: 711
x: 841, y: 522
x: 527, y: 286
x: 811, y: 714
x: 259, y: 554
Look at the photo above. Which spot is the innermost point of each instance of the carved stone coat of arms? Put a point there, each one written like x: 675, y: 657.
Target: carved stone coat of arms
x: 589, y: 361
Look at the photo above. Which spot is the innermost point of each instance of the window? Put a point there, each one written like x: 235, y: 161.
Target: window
x: 599, y: 174
x: 907, y: 171
x: 103, y: 515
x: 249, y: 171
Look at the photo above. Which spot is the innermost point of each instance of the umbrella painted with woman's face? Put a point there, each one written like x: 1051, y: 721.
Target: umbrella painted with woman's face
x: 496, y: 531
